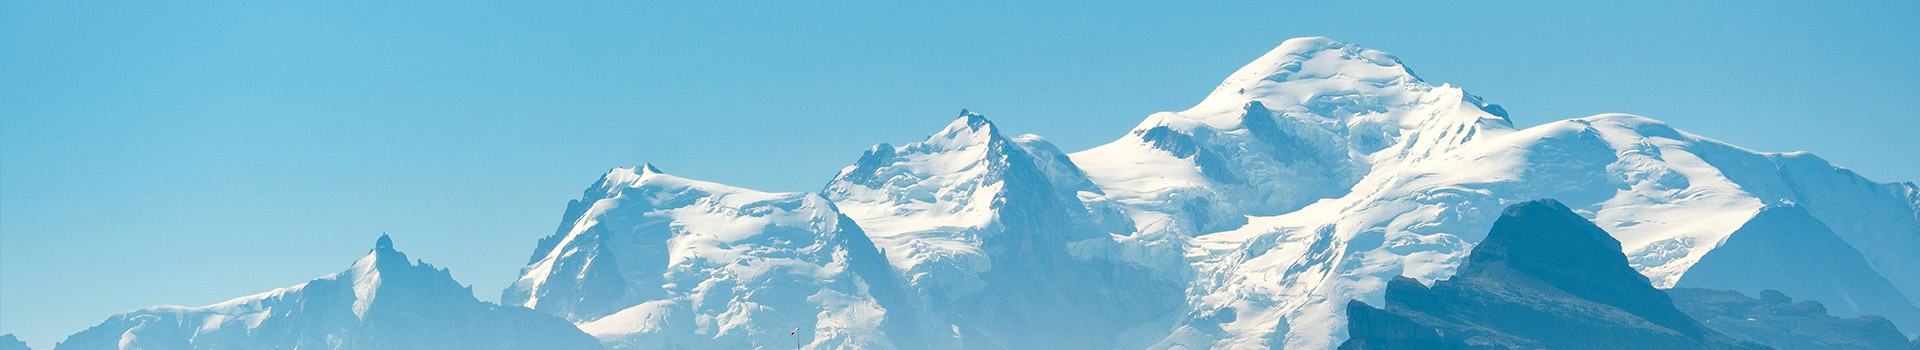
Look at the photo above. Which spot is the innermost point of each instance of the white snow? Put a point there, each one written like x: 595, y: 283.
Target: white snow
x: 1308, y: 178
x: 421, y: 302
x: 704, y: 265
x: 1432, y: 166
x: 366, y: 280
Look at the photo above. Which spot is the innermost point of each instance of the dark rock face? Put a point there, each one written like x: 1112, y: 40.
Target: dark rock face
x: 1546, y: 241
x: 1778, y: 321
x: 1785, y: 248
x: 1543, y: 278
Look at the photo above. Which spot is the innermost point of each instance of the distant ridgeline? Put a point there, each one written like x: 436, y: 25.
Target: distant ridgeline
x: 1321, y: 197
x: 1545, y: 278
x: 382, y: 302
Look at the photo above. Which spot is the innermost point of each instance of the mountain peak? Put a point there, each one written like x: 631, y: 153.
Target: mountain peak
x: 1544, y: 278
x: 1301, y: 48
x: 960, y: 147
x: 383, y: 250
x: 969, y: 128
x: 1524, y: 227
x: 639, y: 176
x: 973, y: 119
x: 1326, y: 63
x: 8, y: 342
x: 964, y: 144
x: 1786, y: 248
x: 385, y: 243
x: 370, y: 271
x: 1547, y: 241
x: 417, y: 307
x: 956, y: 177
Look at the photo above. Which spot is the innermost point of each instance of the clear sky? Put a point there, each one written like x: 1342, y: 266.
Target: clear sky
x: 186, y: 153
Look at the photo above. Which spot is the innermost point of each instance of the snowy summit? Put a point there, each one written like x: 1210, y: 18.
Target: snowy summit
x: 1320, y: 175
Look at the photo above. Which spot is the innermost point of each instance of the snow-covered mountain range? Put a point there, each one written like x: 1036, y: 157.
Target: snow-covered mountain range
x: 1314, y: 176
x: 1429, y: 166
x: 382, y: 302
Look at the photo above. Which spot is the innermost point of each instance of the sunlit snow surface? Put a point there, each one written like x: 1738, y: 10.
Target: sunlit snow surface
x: 656, y: 261
x: 1310, y: 177
x: 1002, y: 240
x: 1429, y: 169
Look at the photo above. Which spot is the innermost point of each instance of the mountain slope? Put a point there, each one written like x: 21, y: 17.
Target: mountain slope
x: 1776, y: 321
x: 647, y: 260
x: 1304, y: 122
x: 1785, y: 248
x: 1315, y: 175
x: 382, y: 302
x: 1543, y: 278
x: 8, y: 342
x: 985, y: 229
x: 1284, y: 242
x: 1321, y: 173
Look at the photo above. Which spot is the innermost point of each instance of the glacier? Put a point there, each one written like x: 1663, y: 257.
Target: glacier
x: 1000, y: 238
x: 647, y: 260
x: 1430, y: 165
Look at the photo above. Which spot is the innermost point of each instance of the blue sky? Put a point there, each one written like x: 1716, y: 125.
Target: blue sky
x: 187, y: 153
